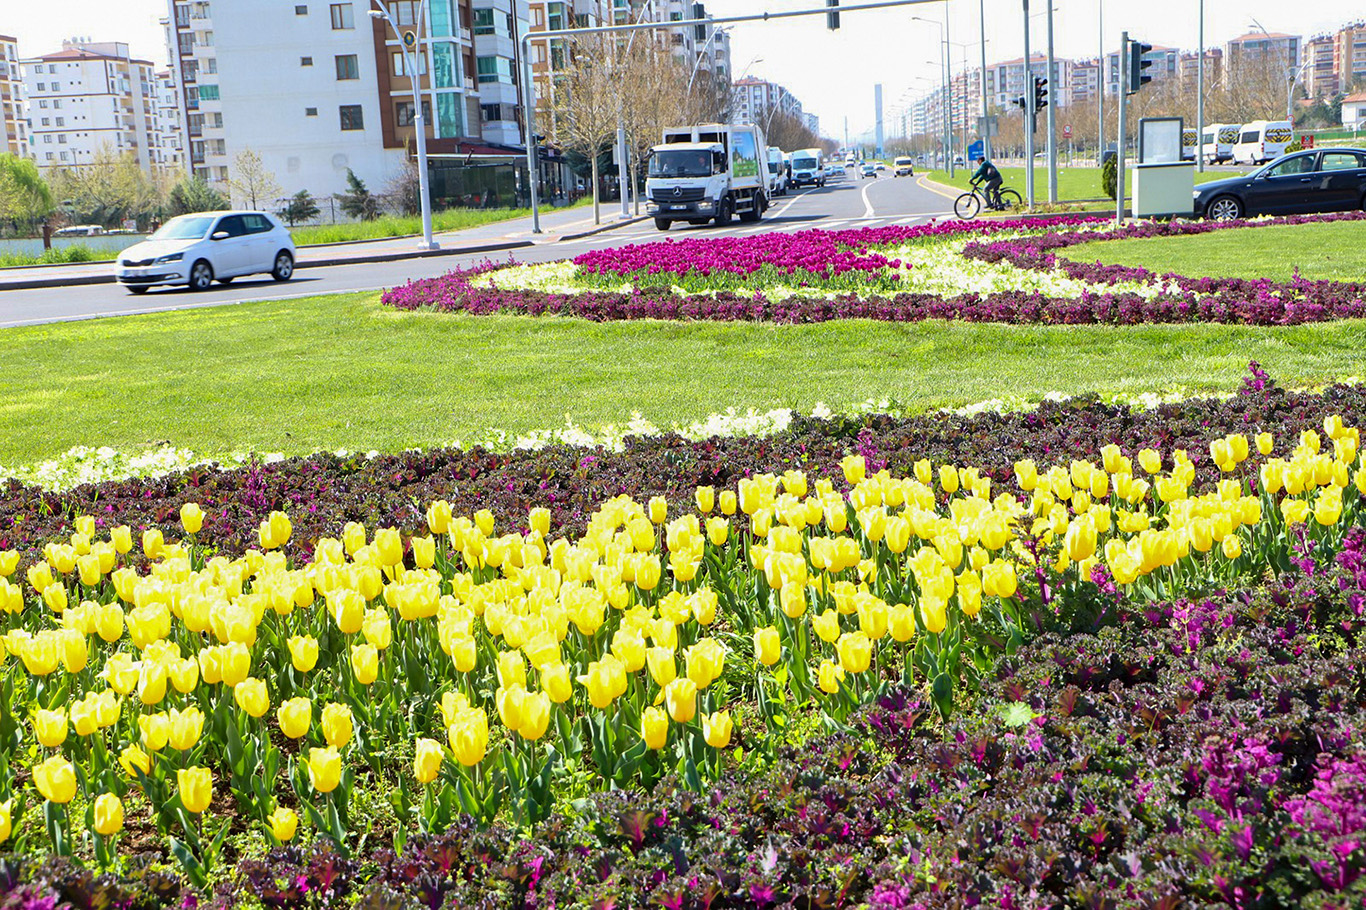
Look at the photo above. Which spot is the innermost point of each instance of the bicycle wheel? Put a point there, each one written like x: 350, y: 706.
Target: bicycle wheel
x: 1011, y: 200
x: 967, y: 206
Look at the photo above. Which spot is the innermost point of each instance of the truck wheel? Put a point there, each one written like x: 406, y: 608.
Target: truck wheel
x: 755, y: 213
x: 723, y: 212
x: 662, y: 224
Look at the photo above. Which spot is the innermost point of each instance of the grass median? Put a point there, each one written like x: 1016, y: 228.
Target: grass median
x: 1074, y: 183
x: 1327, y: 251
x: 344, y: 372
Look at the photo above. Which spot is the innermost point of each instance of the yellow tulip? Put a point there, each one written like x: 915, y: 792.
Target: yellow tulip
x: 1295, y: 511
x: 185, y: 728
x: 303, y: 652
x: 792, y: 599
x: 295, y: 716
x: 427, y: 760
x: 424, y: 552
x: 324, y: 769
x: 338, y: 725
x: 716, y: 729
x: 605, y: 680
x: 704, y: 662
x: 654, y: 728
x: 55, y: 779
x: 365, y: 663
x: 50, y: 727
x: 251, y: 696
x: 662, y: 665
x: 1150, y: 461
x: 275, y: 531
x: 855, y: 469
x: 629, y: 648
x: 195, y: 786
x: 155, y: 731
x: 555, y: 682
x: 84, y: 717
x: 439, y: 516
x: 283, y: 824
x: 389, y: 546
x: 152, y: 543
x: 828, y: 677
x: 134, y: 759
x: 1265, y: 443
x: 535, y: 716
x: 184, y: 674
x: 706, y: 499
x: 511, y: 668
x: 353, y: 537
x: 235, y: 663
x: 680, y: 697
x: 88, y: 567
x: 191, y: 517
x: 855, y: 652
x: 728, y: 502
x: 122, y: 538
x: 108, y: 814
x: 767, y: 646
x: 6, y: 820
x: 827, y: 625
x: 1233, y: 547
x: 469, y: 737
x: 658, y: 509
x: 538, y: 520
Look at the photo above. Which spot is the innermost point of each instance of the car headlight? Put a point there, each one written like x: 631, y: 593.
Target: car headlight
x: 174, y: 257
x: 704, y: 204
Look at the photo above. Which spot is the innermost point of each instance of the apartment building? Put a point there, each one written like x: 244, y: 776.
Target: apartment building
x: 13, y: 128
x: 89, y: 97
x: 318, y: 88
x: 1188, y: 68
x: 498, y: 25
x: 1320, y: 77
x: 168, y: 138
x: 755, y: 100
x: 1349, y: 56
x: 1260, y: 46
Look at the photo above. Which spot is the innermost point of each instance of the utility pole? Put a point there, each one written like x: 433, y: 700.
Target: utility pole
x: 1052, y: 116
x: 1100, y: 86
x: 948, y: 92
x: 1030, y: 116
x: 1200, y: 97
x: 986, y: 127
x: 1123, y: 105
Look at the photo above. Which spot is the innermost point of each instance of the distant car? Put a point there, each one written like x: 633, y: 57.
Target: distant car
x: 880, y: 166
x: 196, y: 250
x: 1315, y: 180
x: 869, y: 169
x: 903, y: 167
x: 80, y: 230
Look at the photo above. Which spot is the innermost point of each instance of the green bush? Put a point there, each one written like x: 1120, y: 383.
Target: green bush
x: 1109, y: 176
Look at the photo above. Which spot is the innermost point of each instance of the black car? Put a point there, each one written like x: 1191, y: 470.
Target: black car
x: 1316, y: 180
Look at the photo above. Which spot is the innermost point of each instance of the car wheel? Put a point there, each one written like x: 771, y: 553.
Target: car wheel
x: 138, y: 290
x: 201, y: 276
x: 662, y: 224
x: 1225, y: 208
x: 284, y: 266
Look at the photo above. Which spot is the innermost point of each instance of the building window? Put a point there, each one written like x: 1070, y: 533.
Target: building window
x: 61, y: 139
x: 61, y: 121
x: 305, y: 61
x: 348, y: 67
x: 208, y: 93
x: 493, y: 69
x: 342, y: 16
x: 404, y: 12
x: 301, y: 10
x: 310, y: 112
x: 401, y: 67
x: 42, y: 87
x: 403, y: 113
x: 483, y: 22
x: 351, y: 117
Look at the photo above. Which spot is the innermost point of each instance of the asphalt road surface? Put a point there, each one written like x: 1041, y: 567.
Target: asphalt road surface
x: 843, y: 203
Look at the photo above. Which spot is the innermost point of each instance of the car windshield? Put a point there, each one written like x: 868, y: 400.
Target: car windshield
x: 804, y: 162
x: 679, y: 163
x: 186, y: 227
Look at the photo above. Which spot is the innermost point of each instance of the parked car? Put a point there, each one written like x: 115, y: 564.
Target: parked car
x: 869, y: 169
x: 1262, y: 140
x: 196, y: 250
x: 1316, y: 180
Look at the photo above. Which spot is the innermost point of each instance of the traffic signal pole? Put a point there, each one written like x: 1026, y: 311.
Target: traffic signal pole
x: 1052, y: 118
x: 1123, y: 109
x: 1028, y: 110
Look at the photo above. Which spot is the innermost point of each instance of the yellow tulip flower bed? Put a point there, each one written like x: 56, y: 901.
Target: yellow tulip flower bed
x: 477, y: 669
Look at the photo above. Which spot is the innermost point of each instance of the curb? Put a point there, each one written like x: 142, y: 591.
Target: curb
x: 108, y: 278
x: 602, y: 228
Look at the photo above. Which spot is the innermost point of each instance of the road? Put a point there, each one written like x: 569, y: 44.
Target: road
x: 843, y: 203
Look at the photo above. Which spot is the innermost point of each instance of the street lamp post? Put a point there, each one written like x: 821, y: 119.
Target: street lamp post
x: 986, y: 124
x: 948, y: 89
x: 1200, y: 97
x: 1291, y: 73
x: 419, y: 122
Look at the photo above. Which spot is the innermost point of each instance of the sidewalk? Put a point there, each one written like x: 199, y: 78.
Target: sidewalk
x: 556, y: 225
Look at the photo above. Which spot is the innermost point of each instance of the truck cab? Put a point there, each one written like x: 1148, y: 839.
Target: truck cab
x: 708, y: 172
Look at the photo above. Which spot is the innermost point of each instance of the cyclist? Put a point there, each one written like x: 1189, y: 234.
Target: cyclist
x: 987, y: 172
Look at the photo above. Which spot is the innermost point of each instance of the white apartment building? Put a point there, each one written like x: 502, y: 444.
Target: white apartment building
x: 88, y: 97
x: 315, y: 88
x: 168, y: 140
x: 754, y: 100
x: 498, y: 24
x: 13, y: 128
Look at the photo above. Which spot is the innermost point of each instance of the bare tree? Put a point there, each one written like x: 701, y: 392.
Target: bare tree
x: 251, y: 182
x: 653, y: 85
x: 788, y: 132
x: 585, y: 104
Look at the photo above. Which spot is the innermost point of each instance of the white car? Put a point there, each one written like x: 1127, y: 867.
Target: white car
x: 197, y: 250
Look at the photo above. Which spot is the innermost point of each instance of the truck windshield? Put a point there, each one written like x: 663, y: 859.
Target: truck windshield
x: 806, y: 163
x: 680, y: 164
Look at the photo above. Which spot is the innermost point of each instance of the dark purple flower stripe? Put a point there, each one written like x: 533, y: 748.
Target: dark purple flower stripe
x: 1199, y: 300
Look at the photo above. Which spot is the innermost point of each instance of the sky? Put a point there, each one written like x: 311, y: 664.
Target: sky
x: 831, y: 73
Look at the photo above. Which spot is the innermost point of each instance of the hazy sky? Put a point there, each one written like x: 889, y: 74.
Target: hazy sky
x: 831, y: 72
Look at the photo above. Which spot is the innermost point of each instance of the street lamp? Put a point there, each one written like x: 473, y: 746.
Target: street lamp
x: 948, y: 96
x: 702, y: 53
x: 419, y: 122
x: 1292, y: 76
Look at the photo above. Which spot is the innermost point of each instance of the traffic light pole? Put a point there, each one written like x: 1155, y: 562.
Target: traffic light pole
x: 1028, y: 110
x: 1052, y: 118
x: 1123, y: 109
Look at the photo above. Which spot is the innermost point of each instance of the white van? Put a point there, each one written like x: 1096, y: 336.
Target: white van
x: 903, y: 166
x: 1220, y: 138
x: 777, y: 172
x: 1262, y: 140
x: 1188, y: 138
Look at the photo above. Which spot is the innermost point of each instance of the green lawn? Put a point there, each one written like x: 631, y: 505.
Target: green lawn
x: 344, y: 372
x: 1073, y: 182
x: 1320, y: 251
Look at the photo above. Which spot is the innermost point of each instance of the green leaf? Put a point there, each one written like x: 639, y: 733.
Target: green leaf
x: 941, y: 690
x: 1017, y: 714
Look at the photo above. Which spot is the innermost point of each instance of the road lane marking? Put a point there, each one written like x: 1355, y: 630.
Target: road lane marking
x: 867, y: 203
x: 934, y: 188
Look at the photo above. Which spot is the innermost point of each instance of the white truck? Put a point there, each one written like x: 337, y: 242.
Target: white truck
x: 712, y: 171
x: 808, y: 167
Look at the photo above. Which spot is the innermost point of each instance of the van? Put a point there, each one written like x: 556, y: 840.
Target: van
x: 903, y: 167
x: 808, y: 168
x: 1188, y: 137
x: 1220, y: 138
x: 1262, y: 140
x: 777, y: 172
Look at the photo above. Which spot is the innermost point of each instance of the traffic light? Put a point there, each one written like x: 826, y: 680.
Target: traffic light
x: 1019, y: 102
x: 1040, y: 93
x: 832, y: 15
x: 699, y: 31
x: 1137, y: 78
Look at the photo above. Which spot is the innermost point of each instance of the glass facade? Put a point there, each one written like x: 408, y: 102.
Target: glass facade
x: 449, y: 121
x: 446, y: 64
x: 443, y: 20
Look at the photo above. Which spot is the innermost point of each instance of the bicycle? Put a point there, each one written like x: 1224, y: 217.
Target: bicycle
x: 968, y: 205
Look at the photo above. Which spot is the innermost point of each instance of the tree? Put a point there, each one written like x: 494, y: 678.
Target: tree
x: 252, y: 183
x: 405, y: 187
x: 789, y: 133
x: 299, y: 207
x: 653, y: 85
x: 584, y: 106
x: 358, y: 202
x: 193, y: 194
x: 109, y: 190
x: 25, y: 197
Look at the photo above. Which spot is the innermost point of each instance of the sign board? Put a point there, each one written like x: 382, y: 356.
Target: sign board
x: 1307, y: 141
x: 409, y: 38
x: 129, y: 224
x: 987, y: 126
x: 1159, y: 140
x: 1067, y: 131
x: 976, y: 150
